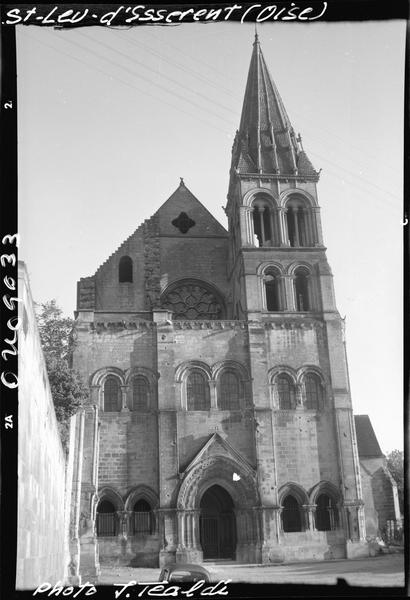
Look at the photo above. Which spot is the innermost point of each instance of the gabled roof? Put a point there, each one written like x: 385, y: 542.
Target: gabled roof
x: 183, y: 202
x: 367, y: 443
x: 217, y: 446
x: 266, y: 142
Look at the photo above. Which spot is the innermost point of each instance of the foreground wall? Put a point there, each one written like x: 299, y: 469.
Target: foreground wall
x: 41, y: 542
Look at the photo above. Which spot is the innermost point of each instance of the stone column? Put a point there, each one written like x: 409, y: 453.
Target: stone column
x: 296, y: 225
x: 124, y: 392
x: 271, y: 551
x: 299, y: 396
x: 168, y: 533
x: 311, y: 227
x: 284, y: 238
x: 261, y: 210
x: 213, y: 394
x: 317, y: 226
x: 309, y: 513
x: 245, y: 215
x: 274, y: 237
x: 307, y: 229
x: 195, y: 529
x: 290, y: 292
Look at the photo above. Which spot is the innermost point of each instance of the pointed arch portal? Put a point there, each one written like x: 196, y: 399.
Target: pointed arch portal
x: 217, y: 524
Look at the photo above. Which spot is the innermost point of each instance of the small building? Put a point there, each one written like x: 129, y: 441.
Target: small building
x: 379, y: 488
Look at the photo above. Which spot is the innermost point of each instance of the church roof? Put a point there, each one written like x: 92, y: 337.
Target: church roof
x: 367, y: 443
x: 266, y: 142
x: 184, y: 214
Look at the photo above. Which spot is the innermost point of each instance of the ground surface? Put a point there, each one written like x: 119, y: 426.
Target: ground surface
x: 380, y: 571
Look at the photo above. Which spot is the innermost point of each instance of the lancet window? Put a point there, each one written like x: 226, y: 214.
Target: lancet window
x: 326, y: 516
x: 291, y: 514
x: 142, y: 519
x: 106, y: 522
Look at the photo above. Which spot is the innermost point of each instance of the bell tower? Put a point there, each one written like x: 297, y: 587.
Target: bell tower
x: 272, y: 207
x: 282, y: 285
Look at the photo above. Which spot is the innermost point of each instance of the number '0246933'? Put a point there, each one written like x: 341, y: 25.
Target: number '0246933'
x: 8, y: 378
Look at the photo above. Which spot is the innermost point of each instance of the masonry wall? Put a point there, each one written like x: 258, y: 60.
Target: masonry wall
x: 128, y: 451
x: 212, y: 345
x: 42, y: 553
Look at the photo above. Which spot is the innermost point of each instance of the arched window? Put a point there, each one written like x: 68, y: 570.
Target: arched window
x: 272, y: 290
x: 314, y: 392
x: 286, y: 392
x: 112, y: 394
x: 301, y: 286
x: 291, y: 517
x: 106, y: 521
x: 297, y: 220
x: 125, y: 270
x: 228, y: 397
x: 263, y: 221
x: 142, y: 520
x: 197, y: 388
x: 140, y: 393
x: 326, y: 516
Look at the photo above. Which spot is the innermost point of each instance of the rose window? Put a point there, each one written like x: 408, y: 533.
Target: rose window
x: 192, y: 301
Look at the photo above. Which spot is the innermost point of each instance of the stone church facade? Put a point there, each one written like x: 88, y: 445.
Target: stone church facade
x: 219, y: 423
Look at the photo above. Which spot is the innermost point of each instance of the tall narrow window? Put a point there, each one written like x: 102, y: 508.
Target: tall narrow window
x: 142, y: 519
x: 228, y: 391
x: 125, y: 270
x: 106, y: 521
x: 291, y: 517
x: 286, y: 392
x: 314, y: 392
x: 198, y: 397
x: 301, y: 285
x: 112, y: 394
x: 297, y: 219
x: 272, y: 290
x: 326, y: 516
x: 140, y: 393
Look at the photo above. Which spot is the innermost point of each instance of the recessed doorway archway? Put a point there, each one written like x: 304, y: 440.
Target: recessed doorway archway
x: 217, y: 524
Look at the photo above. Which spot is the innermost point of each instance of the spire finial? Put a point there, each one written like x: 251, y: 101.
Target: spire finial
x: 256, y: 35
x: 182, y: 181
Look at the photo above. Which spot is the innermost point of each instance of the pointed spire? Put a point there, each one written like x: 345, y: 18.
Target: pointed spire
x: 266, y: 142
x: 256, y: 35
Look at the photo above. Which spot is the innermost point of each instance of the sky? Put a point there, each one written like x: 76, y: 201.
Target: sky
x: 110, y: 119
